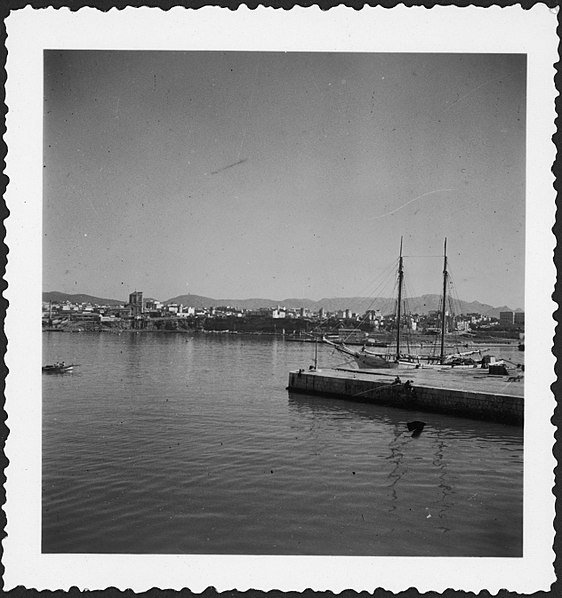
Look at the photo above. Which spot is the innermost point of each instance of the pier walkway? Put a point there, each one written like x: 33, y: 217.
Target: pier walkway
x: 468, y: 392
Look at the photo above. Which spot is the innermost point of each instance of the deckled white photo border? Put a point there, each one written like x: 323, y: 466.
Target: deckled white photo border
x: 441, y: 29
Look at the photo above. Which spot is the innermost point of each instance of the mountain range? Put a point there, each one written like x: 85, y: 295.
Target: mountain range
x: 419, y: 305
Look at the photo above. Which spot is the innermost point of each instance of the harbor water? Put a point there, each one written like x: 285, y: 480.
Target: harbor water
x: 191, y: 444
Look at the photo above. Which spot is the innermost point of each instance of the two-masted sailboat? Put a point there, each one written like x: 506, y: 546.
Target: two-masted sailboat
x: 369, y: 359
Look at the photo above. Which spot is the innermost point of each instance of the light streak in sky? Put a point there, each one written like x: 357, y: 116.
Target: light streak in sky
x: 470, y: 92
x: 409, y: 202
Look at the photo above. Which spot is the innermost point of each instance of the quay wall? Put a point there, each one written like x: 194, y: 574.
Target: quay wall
x: 466, y: 403
x: 480, y: 405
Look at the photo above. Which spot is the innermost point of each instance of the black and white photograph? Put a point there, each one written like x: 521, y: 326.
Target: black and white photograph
x: 290, y: 300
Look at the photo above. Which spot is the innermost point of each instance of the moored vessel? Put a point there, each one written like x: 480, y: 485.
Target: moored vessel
x: 58, y: 368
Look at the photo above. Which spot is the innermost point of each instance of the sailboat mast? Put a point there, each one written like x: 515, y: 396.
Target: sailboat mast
x: 444, y: 299
x: 399, y: 313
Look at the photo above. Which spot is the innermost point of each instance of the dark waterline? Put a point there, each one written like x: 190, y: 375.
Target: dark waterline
x: 177, y: 444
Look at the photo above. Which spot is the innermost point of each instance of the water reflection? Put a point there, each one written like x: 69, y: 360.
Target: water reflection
x: 326, y: 408
x: 445, y: 487
x: 396, y: 457
x: 200, y: 439
x: 439, y: 468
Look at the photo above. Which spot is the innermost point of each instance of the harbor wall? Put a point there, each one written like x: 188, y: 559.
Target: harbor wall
x: 475, y: 404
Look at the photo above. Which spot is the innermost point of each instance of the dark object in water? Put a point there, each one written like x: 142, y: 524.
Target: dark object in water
x: 416, y: 427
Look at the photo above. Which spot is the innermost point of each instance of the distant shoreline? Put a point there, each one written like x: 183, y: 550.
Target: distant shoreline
x: 423, y: 340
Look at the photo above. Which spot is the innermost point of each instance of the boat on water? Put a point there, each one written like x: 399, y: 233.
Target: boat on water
x: 58, y: 368
x: 365, y: 359
x: 369, y: 359
x: 456, y: 360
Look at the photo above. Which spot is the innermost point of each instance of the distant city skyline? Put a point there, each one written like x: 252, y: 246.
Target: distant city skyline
x: 240, y: 174
x: 292, y: 302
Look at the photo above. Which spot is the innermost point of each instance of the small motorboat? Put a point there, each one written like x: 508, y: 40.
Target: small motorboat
x: 58, y: 368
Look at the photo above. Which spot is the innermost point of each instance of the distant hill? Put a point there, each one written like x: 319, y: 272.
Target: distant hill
x: 415, y: 305
x: 58, y: 297
x: 253, y: 303
x: 426, y: 303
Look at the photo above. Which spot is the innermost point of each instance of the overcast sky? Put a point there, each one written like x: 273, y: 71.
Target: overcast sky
x: 276, y: 175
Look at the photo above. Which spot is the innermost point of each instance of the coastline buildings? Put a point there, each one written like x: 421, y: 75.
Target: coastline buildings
x: 512, y: 318
x: 149, y: 314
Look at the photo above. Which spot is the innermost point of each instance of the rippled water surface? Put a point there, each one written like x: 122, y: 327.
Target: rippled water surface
x: 169, y: 443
